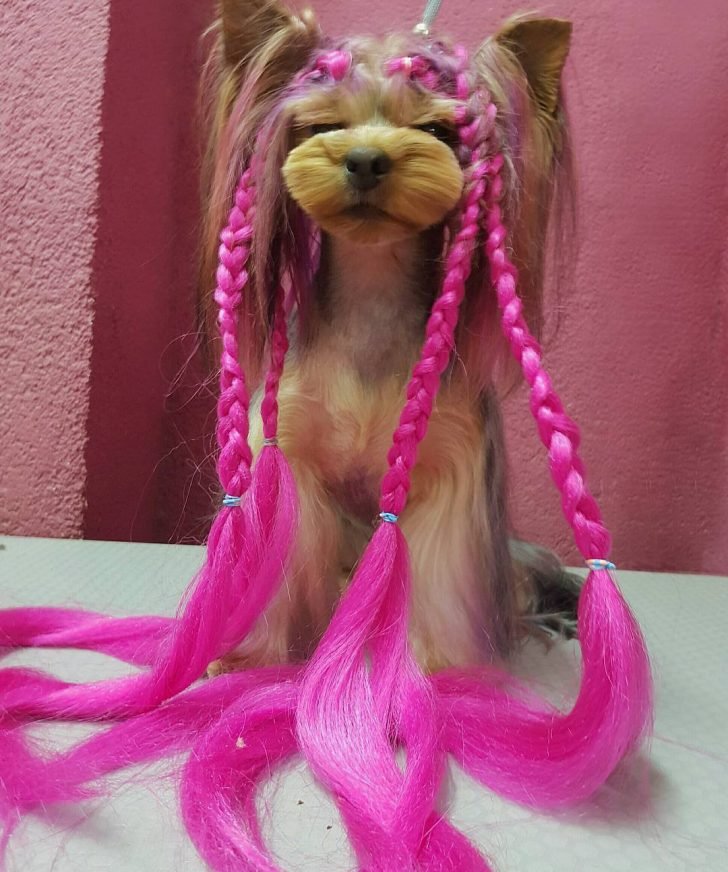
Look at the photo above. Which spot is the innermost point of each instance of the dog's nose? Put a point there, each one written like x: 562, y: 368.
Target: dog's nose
x: 365, y: 167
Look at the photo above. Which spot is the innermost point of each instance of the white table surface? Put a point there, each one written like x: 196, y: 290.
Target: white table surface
x: 685, y: 826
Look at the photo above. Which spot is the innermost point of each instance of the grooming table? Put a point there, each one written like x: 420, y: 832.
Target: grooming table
x: 684, y: 826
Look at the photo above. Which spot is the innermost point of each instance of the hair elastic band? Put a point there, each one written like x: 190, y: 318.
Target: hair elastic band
x: 389, y: 517
x: 599, y: 563
x: 230, y: 501
x: 272, y: 441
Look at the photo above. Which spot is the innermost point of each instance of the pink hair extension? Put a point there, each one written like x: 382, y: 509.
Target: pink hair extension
x: 279, y: 348
x: 272, y: 500
x: 235, y: 554
x: 246, y: 554
x: 362, y: 697
x: 536, y: 756
x: 348, y: 714
x: 328, y: 66
x: 133, y: 640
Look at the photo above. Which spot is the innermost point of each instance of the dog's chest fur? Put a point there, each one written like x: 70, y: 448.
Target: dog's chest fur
x: 343, y: 393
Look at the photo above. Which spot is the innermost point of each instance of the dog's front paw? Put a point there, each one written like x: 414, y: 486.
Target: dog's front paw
x: 234, y: 662
x: 256, y: 652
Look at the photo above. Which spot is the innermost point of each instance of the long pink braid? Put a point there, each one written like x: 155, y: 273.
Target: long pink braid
x: 272, y: 501
x: 349, y: 715
x: 247, y: 551
x: 534, y: 755
x: 558, y: 432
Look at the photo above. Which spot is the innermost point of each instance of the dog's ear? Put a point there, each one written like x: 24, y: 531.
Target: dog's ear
x: 257, y: 48
x: 521, y: 67
x: 541, y: 46
x: 248, y: 26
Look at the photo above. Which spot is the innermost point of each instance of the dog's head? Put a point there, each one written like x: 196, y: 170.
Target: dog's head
x: 373, y: 159
x: 360, y: 139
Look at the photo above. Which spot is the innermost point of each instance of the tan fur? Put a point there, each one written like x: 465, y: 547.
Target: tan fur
x: 336, y: 430
x: 423, y: 186
x: 343, y: 386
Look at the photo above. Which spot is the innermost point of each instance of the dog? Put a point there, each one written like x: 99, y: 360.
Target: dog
x: 358, y: 187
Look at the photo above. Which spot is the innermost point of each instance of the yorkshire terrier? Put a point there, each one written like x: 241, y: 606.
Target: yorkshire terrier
x: 364, y: 175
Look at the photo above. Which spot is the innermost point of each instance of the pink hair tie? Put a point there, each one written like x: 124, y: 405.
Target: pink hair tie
x: 335, y: 63
x: 600, y: 563
x: 400, y: 65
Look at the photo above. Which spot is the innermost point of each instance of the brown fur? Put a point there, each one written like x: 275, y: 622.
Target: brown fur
x: 342, y: 389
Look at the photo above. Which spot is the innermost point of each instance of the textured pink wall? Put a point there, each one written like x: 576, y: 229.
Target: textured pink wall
x: 51, y: 92
x: 99, y: 158
x: 640, y: 355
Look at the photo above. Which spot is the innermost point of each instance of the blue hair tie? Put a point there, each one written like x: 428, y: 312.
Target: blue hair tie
x: 230, y: 501
x: 600, y: 563
x: 389, y: 517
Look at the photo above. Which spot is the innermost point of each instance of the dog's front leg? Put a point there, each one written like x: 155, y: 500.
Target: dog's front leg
x: 299, y: 613
x: 463, y: 605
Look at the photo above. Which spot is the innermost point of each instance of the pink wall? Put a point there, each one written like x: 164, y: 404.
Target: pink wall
x: 144, y: 269
x: 99, y: 157
x: 51, y: 93
x: 640, y: 355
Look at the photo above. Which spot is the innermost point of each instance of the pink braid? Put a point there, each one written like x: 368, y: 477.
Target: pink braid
x: 271, y: 508
x: 557, y: 430
x: 441, y: 325
x: 235, y: 458
x: 438, y: 347
x: 278, y: 351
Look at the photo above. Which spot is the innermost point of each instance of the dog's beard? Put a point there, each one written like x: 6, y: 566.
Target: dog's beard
x: 423, y: 185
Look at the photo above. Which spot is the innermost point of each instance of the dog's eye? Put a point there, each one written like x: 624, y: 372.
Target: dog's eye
x: 325, y: 128
x: 440, y: 131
